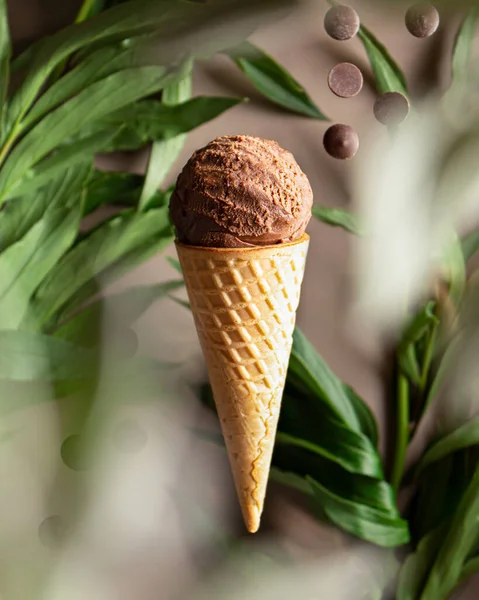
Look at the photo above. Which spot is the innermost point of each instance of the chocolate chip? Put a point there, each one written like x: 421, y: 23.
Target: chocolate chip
x: 422, y: 20
x: 391, y: 108
x: 52, y: 531
x: 345, y: 80
x: 341, y: 141
x: 341, y: 22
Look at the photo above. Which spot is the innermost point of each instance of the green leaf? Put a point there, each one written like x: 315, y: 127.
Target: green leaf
x: 463, y: 46
x: 175, y: 264
x: 118, y: 23
x: 337, y: 218
x: 24, y: 265
x: 360, y: 520
x: 463, y: 437
x: 416, y: 567
x: 105, y: 247
x: 93, y: 103
x: 470, y: 568
x: 417, y: 328
x: 112, y: 188
x: 26, y: 356
x: 18, y: 216
x: 457, y: 544
x: 273, y: 81
x: 291, y: 480
x: 339, y: 444
x: 454, y: 268
x: 164, y: 153
x: 126, y: 306
x: 388, y: 75
x: 470, y: 245
x: 5, y: 52
x: 306, y: 365
x: 66, y: 157
x: 364, y: 414
x: 150, y: 120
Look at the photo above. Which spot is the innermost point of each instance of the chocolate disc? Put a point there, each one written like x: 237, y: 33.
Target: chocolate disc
x: 345, y: 80
x: 341, y: 22
x: 391, y: 108
x: 422, y: 20
x: 341, y: 141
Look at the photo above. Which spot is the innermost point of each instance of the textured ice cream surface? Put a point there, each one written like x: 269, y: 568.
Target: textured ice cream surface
x: 241, y: 191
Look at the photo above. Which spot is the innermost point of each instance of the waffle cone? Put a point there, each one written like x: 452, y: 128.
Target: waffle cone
x: 244, y: 304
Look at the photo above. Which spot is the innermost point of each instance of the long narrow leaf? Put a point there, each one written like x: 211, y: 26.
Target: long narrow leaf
x: 463, y: 46
x: 273, y: 81
x: 337, y: 218
x: 464, y: 437
x: 20, y: 215
x: 388, y: 75
x: 5, y: 51
x: 470, y: 245
x: 102, y: 249
x: 25, y: 264
x: 164, y: 153
x: 360, y: 520
x: 306, y: 363
x: 93, y: 103
x: 456, y: 546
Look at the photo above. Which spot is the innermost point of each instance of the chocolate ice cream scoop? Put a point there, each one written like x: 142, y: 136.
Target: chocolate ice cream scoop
x: 241, y: 191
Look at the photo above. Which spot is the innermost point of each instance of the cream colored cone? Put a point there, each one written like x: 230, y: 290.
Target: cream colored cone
x: 244, y: 303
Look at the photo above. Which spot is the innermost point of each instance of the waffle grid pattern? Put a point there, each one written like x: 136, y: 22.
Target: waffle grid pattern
x: 245, y: 309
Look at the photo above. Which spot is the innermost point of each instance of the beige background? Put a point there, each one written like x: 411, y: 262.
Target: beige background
x: 301, y: 45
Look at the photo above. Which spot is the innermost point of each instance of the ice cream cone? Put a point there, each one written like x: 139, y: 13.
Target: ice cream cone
x: 244, y: 304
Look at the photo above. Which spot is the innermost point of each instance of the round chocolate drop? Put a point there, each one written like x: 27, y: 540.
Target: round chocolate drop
x: 345, y: 80
x: 341, y: 141
x: 341, y: 22
x: 422, y: 20
x: 391, y: 108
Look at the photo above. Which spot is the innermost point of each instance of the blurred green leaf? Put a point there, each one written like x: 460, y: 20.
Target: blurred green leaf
x: 463, y: 46
x: 454, y: 268
x: 150, y: 120
x: 337, y: 218
x: 470, y: 568
x: 463, y: 437
x: 126, y: 306
x: 164, y: 153
x: 175, y: 264
x: 470, y: 245
x: 93, y: 103
x: 416, y: 567
x: 18, y: 216
x: 25, y: 264
x: 306, y: 365
x: 105, y: 247
x: 417, y: 328
x: 388, y: 75
x: 360, y: 520
x: 26, y: 356
x: 460, y: 539
x: 5, y: 52
x: 273, y: 81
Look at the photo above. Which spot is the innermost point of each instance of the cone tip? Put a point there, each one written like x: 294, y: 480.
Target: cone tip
x: 252, y: 516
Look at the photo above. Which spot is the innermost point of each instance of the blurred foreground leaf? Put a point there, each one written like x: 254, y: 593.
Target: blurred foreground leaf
x: 337, y: 218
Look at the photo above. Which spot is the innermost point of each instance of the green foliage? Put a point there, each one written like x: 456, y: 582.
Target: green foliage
x: 463, y: 46
x: 337, y: 218
x: 273, y: 81
x: 388, y: 75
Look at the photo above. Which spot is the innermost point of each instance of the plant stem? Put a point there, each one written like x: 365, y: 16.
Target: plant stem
x: 428, y: 354
x: 402, y: 431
